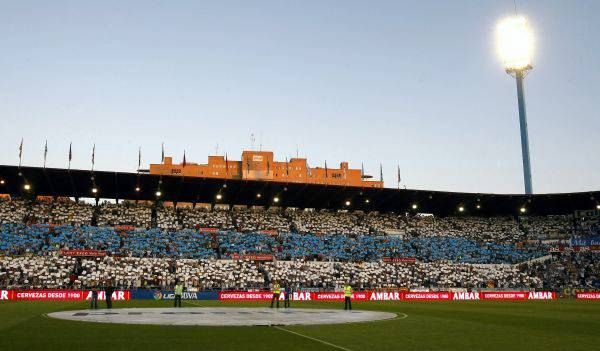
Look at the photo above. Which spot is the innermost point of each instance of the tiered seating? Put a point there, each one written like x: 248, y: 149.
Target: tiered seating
x: 125, y: 214
x: 312, y: 249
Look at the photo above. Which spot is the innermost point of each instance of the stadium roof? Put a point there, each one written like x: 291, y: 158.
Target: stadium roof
x: 121, y: 185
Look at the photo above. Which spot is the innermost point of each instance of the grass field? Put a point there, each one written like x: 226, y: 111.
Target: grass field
x: 531, y: 325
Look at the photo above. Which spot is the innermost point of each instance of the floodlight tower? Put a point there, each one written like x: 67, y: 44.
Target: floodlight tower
x: 515, y: 46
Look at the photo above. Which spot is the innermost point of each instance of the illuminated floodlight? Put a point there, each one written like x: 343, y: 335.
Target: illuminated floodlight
x: 219, y: 196
x: 275, y: 199
x: 258, y: 195
x: 523, y: 210
x: 414, y: 206
x: 514, y: 41
x: 478, y: 206
x: 348, y: 203
x: 461, y: 209
x: 137, y: 189
x: 1, y: 181
x: 367, y: 201
x: 27, y: 187
x: 598, y: 207
x: 94, y: 190
x: 158, y: 193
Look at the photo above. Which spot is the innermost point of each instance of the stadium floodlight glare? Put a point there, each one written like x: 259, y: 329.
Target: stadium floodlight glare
x: 137, y: 188
x: 515, y: 43
x: 367, y: 201
x: 348, y: 203
x: 94, y: 190
x: 478, y: 206
x: 258, y: 195
x: 414, y: 206
x: 219, y: 196
x: 523, y: 210
x: 598, y: 207
x: 27, y: 187
x: 275, y: 199
x: 158, y: 193
x: 1, y: 181
x: 515, y: 46
x: 461, y: 209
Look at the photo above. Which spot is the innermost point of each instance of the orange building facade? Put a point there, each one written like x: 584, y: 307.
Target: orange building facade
x: 260, y: 165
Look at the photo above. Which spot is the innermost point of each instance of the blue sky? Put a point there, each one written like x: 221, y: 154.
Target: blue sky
x: 414, y: 83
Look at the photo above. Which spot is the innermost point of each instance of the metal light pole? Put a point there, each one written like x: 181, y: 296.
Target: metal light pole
x: 515, y: 44
x: 519, y: 75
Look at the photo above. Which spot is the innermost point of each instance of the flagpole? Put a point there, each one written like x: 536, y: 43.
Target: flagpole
x: 93, y: 156
x: 45, y: 152
x: 139, y: 159
x: 20, y: 152
x: 70, y: 153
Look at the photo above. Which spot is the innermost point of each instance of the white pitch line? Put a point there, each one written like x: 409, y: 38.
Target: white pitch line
x: 314, y: 339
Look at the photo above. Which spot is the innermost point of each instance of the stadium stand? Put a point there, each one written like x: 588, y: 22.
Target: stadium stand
x: 311, y: 249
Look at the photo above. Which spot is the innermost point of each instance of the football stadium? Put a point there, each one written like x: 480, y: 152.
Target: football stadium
x: 251, y: 248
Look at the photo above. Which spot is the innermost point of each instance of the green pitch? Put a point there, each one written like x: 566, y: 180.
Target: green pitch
x: 539, y: 325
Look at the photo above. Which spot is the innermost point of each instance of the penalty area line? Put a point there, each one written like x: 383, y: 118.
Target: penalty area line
x: 313, y: 339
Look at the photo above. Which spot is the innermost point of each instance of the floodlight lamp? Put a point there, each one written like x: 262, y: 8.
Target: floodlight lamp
x: 414, y: 206
x: 514, y: 41
x: 523, y: 210
x: 94, y: 190
x: 348, y: 203
x: 461, y: 209
x: 219, y: 196
x: 275, y: 199
x: 27, y: 187
x: 158, y: 193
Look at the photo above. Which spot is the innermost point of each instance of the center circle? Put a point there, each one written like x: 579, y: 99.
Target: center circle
x: 222, y: 316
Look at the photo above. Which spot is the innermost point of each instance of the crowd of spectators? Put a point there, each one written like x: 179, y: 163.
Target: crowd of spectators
x: 140, y: 272
x: 56, y: 212
x: 547, y: 227
x: 484, y: 229
x: 581, y: 269
x: 316, y: 249
x: 41, y: 239
x: 127, y: 213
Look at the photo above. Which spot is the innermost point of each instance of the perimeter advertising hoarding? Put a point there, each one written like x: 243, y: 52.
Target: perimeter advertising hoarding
x: 6, y: 295
x: 391, y: 296
x: 588, y: 296
x: 170, y: 295
x: 518, y: 295
x: 296, y: 296
x: 427, y: 296
x: 60, y: 295
x: 124, y: 295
